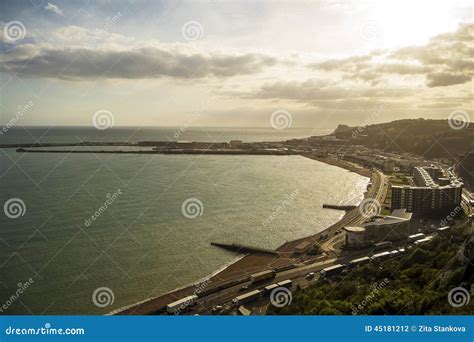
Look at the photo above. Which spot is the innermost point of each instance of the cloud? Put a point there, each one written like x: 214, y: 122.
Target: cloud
x: 441, y: 105
x: 322, y: 93
x: 405, y: 78
x: 53, y: 8
x: 446, y: 60
x: 444, y: 79
x: 346, y: 64
x: 134, y: 63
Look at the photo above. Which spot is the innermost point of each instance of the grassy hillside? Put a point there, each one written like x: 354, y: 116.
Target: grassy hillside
x: 431, y: 138
x: 415, y: 284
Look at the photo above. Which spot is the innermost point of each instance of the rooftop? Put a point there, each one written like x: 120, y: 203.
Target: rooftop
x: 401, y: 213
x: 397, y: 216
x: 355, y: 229
x: 427, y: 182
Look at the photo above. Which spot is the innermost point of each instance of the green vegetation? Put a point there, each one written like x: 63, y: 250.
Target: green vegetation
x: 431, y: 138
x: 414, y: 284
x: 399, y: 179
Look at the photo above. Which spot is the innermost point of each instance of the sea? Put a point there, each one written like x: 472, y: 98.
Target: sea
x: 91, y: 233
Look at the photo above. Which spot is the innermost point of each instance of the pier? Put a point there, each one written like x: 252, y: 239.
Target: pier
x: 339, y: 207
x: 244, y: 249
x: 266, y: 152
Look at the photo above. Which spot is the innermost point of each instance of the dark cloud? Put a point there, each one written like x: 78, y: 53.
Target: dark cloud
x: 145, y: 62
x: 444, y: 79
x: 403, y: 69
x: 318, y: 92
x: 355, y: 62
x: 441, y: 105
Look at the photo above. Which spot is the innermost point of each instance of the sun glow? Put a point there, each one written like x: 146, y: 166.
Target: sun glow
x: 404, y: 22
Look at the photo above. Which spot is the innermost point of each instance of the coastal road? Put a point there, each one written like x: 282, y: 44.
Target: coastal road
x: 225, y: 297
x: 378, y: 192
x: 297, y: 275
x: 466, y: 202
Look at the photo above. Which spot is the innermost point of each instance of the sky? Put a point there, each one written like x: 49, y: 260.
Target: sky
x: 234, y: 63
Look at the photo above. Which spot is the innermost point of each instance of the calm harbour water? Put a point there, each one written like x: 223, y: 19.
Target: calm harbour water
x: 142, y: 245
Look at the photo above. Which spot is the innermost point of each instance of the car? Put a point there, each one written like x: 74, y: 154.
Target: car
x: 235, y: 301
x: 310, y: 275
x: 217, y: 308
x: 244, y: 288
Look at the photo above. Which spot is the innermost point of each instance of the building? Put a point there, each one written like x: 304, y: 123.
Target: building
x: 384, y: 162
x: 303, y: 247
x: 355, y: 236
x: 396, y: 226
x: 465, y: 169
x: 236, y: 143
x: 437, y: 192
